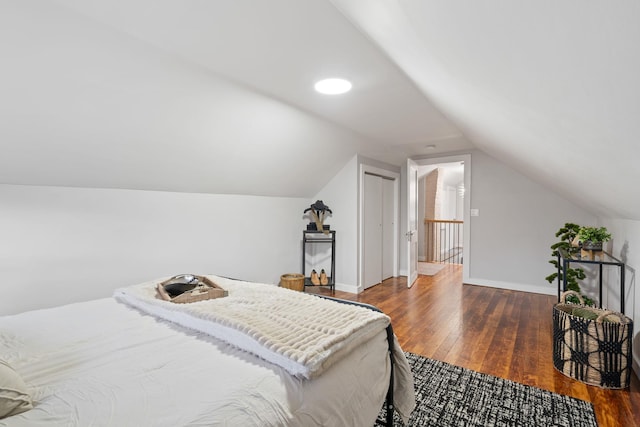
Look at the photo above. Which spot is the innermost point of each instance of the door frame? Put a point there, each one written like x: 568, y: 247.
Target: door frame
x: 395, y: 177
x: 412, y: 222
x: 466, y: 158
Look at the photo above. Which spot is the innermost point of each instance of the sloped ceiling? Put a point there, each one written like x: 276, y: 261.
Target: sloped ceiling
x: 216, y: 96
x: 201, y: 96
x: 550, y: 88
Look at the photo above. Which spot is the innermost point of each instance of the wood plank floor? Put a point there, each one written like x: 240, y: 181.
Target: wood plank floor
x: 499, y: 332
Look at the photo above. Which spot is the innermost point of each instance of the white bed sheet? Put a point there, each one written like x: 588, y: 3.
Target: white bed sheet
x: 101, y: 363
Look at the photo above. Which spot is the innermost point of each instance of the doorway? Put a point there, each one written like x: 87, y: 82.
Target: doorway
x: 444, y: 211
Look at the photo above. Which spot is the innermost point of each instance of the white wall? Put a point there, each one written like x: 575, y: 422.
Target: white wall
x: 518, y: 219
x: 625, y: 245
x: 511, y: 238
x: 341, y: 195
x: 60, y: 245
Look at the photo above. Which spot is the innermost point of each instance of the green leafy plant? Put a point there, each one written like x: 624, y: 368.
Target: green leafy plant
x: 567, y: 235
x: 593, y: 234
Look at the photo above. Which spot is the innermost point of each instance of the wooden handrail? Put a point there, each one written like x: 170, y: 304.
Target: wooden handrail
x: 448, y: 221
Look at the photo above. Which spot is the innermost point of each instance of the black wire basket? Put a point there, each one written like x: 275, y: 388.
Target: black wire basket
x: 592, y: 345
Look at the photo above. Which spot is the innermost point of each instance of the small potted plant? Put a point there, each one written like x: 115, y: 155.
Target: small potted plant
x: 593, y: 237
x: 568, y: 234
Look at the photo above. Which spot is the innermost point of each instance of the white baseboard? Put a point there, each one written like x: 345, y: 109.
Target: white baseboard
x: 545, y: 290
x: 352, y: 289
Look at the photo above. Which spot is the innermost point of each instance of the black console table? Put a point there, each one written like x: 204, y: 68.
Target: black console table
x: 315, y: 236
x: 604, y: 258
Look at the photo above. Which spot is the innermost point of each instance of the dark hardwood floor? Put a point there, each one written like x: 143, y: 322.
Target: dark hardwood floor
x: 499, y: 332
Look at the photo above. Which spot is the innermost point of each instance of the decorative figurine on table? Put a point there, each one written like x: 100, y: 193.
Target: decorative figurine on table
x: 318, y: 212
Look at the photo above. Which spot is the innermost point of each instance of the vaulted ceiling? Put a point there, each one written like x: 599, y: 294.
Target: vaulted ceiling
x: 217, y: 96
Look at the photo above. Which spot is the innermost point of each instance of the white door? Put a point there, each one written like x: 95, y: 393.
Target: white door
x: 412, y: 222
x: 388, y: 228
x: 372, y: 230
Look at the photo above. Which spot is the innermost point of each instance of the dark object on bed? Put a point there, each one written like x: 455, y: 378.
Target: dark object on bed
x: 186, y: 288
x: 175, y: 289
x: 180, y: 284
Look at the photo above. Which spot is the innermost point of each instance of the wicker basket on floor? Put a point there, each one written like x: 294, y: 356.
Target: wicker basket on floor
x: 293, y: 281
x: 592, y: 345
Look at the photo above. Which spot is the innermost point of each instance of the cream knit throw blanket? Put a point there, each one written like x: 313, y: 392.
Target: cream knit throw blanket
x: 301, y: 333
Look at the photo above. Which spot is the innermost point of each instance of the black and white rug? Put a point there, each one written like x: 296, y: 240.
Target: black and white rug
x: 448, y: 395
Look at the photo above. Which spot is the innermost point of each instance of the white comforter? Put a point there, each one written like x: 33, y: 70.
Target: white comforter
x: 300, y: 332
x: 101, y: 363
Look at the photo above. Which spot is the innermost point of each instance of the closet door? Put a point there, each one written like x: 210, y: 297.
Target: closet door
x: 372, y: 247
x: 387, y: 228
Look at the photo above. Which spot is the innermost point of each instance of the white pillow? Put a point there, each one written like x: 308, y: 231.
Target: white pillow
x: 14, y: 396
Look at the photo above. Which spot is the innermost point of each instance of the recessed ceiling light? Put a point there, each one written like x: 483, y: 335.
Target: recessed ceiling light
x: 333, y: 86
x: 430, y: 147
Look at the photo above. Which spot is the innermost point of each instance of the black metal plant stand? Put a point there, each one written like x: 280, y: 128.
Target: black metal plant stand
x: 565, y: 259
x: 319, y: 237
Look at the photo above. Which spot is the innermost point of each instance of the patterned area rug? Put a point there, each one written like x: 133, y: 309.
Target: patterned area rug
x: 449, y: 395
x: 429, y: 268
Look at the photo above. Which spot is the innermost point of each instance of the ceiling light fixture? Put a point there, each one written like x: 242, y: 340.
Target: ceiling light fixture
x: 430, y: 147
x: 333, y: 86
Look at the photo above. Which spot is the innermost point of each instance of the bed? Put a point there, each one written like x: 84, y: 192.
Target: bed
x: 134, y: 360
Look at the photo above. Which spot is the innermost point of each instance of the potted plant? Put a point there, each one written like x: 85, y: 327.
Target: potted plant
x: 568, y: 234
x: 593, y: 237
